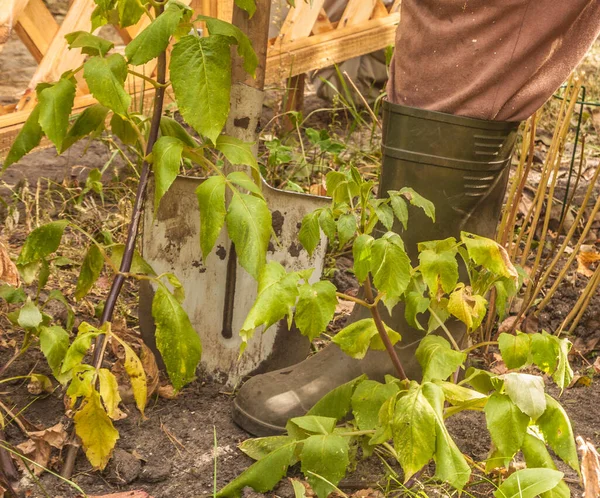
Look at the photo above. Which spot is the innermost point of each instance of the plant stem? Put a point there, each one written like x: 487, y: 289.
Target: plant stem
x: 136, y: 216
x: 356, y: 300
x: 480, y: 345
x: 444, y: 328
x: 382, y: 332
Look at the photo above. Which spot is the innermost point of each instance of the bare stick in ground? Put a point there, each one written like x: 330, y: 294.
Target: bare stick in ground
x: 132, y: 233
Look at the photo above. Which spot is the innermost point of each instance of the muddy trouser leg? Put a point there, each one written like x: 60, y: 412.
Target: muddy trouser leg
x: 464, y: 74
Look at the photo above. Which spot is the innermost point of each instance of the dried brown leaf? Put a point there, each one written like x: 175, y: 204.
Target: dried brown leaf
x: 585, y: 259
x: 590, y: 468
x: 596, y: 365
x: 125, y: 494
x: 8, y: 270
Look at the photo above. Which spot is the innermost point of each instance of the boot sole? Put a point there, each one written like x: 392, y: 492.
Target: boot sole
x: 252, y: 425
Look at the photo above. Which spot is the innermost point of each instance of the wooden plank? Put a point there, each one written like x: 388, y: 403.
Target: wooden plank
x: 59, y: 58
x: 36, y: 28
x: 322, y: 24
x: 300, y: 21
x: 356, y: 11
x: 396, y: 6
x: 294, y: 99
x: 10, y: 10
x: 225, y: 10
x: 319, y: 51
x: 380, y: 10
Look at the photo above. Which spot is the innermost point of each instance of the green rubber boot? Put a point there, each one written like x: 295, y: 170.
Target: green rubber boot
x: 460, y: 164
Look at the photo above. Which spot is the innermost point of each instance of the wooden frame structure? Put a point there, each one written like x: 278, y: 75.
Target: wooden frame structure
x: 307, y: 41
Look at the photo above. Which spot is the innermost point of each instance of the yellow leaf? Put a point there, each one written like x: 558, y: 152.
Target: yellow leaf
x: 109, y: 392
x: 137, y: 376
x: 96, y: 431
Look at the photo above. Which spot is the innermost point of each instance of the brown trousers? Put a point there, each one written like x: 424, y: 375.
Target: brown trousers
x: 488, y: 59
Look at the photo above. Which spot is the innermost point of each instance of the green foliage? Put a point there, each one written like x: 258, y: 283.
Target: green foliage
x: 166, y: 160
x: 28, y: 138
x: 106, y: 78
x: 211, y: 201
x: 92, y: 265
x: 176, y: 339
x: 356, y: 339
x: 437, y: 358
x: 315, y: 308
x: 88, y: 43
x: 55, y: 104
x: 42, y: 242
x: 529, y: 483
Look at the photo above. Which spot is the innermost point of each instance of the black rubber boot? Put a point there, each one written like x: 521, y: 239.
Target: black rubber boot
x: 462, y: 166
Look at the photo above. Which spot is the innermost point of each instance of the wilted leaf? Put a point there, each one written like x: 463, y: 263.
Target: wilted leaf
x: 590, y: 468
x: 8, y: 270
x: 586, y: 259
x: 96, y: 431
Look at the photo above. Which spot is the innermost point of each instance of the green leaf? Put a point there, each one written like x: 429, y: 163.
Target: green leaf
x: 96, y: 431
x: 200, y: 71
x: 327, y: 224
x: 507, y: 425
x: 468, y: 308
x: 12, y: 295
x: 390, y: 266
x: 28, y: 138
x: 55, y: 103
x: 326, y: 456
x: 262, y: 476
x: 563, y: 375
x: 527, y: 392
x: 450, y: 463
x: 315, y: 308
x: 341, y: 187
x: 247, y: 5
x: 346, y: 227
x: 399, y: 207
x: 419, y: 201
x: 385, y: 214
x: 414, y: 305
x: 303, y: 427
x: 171, y: 128
x: 138, y: 265
x: 105, y: 78
x: 368, y: 398
x: 437, y: 358
x: 218, y: 27
x: 440, y: 308
x: 480, y: 380
x: 556, y: 427
x: 336, y: 403
x: 30, y: 316
x: 130, y: 12
x: 91, y: 120
x: 82, y: 377
x: 166, y: 162
x: 439, y: 269
x: 211, y: 201
x: 123, y: 129
x: 176, y: 339
x: 528, y: 483
x: 414, y: 430
x: 78, y: 349
x: 361, y: 251
x: 154, y: 39
x: 92, y: 265
x: 236, y: 151
x: 489, y: 254
x: 249, y: 227
x: 54, y: 343
x: 88, y: 43
x: 259, y: 448
x: 356, y: 338
x: 241, y: 179
x: 514, y: 349
x: 310, y: 233
x: 277, y: 293
x: 536, y: 456
x: 42, y: 242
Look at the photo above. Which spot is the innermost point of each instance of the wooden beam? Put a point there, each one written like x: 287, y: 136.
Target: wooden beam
x: 322, y: 24
x: 356, y: 11
x: 319, y: 51
x: 396, y: 6
x: 36, y: 28
x: 300, y: 21
x: 380, y: 10
x: 10, y: 10
x: 58, y: 58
